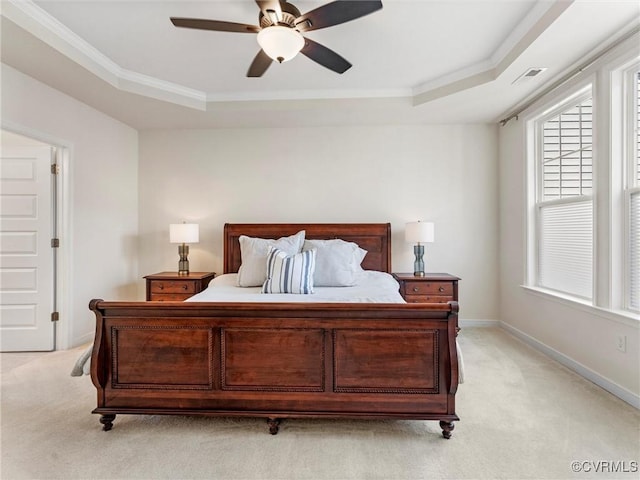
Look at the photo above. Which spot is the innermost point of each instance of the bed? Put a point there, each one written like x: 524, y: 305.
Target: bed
x: 276, y: 356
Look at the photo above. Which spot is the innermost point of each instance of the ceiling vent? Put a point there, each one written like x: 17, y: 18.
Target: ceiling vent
x: 529, y: 74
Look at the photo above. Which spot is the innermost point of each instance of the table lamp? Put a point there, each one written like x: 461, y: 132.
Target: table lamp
x: 183, y: 233
x: 419, y: 232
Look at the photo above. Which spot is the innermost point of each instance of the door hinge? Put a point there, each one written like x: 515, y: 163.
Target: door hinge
x: 55, y: 169
x: 55, y: 242
x: 55, y: 316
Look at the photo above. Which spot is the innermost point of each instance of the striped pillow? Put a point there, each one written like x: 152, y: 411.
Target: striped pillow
x: 289, y: 273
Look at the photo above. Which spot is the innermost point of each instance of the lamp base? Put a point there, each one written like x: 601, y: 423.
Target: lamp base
x: 418, y: 264
x: 183, y: 264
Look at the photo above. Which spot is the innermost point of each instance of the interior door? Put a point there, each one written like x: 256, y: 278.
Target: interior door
x: 26, y: 255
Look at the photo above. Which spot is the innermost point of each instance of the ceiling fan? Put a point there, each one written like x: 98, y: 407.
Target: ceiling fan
x: 280, y: 31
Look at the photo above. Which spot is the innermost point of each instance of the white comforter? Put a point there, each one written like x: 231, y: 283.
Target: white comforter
x: 371, y: 287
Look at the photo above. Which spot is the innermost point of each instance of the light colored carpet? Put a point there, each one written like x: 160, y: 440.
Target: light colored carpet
x: 522, y: 416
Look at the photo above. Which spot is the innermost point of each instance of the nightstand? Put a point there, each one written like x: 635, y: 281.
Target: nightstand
x: 432, y: 288
x: 171, y: 287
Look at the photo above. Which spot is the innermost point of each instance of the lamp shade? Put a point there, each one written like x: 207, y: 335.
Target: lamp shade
x: 184, y: 233
x: 419, y: 232
x: 280, y: 43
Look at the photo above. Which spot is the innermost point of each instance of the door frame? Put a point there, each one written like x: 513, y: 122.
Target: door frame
x: 63, y: 293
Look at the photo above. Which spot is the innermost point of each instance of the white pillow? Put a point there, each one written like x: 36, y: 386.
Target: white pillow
x: 361, y: 254
x: 337, y: 262
x: 253, y: 254
x: 289, y: 273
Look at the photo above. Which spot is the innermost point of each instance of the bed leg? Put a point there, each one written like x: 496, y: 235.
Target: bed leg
x: 274, y: 425
x: 447, y: 428
x: 107, y: 421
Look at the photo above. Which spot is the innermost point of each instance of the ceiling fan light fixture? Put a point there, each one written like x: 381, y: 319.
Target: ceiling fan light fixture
x: 280, y: 43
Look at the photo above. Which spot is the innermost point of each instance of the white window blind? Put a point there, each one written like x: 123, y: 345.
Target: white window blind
x: 634, y: 252
x: 567, y: 163
x: 564, y: 204
x: 633, y: 271
x: 637, y: 129
x: 566, y: 247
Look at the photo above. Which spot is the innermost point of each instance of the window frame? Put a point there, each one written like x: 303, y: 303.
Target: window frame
x: 537, y: 202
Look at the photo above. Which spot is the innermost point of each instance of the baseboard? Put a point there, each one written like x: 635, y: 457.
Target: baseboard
x: 611, y: 387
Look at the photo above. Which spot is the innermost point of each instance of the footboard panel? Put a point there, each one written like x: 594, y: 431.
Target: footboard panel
x: 167, y: 357
x: 272, y: 359
x: 399, y: 361
x: 276, y: 360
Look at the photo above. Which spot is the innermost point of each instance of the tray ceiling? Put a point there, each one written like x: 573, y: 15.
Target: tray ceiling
x: 413, y: 61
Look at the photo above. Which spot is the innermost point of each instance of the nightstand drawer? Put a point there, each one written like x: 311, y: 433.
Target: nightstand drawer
x: 428, y: 298
x: 169, y: 286
x: 173, y: 287
x: 428, y: 288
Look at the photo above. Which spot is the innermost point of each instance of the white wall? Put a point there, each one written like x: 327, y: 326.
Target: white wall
x: 446, y: 174
x: 101, y: 188
x: 581, y: 337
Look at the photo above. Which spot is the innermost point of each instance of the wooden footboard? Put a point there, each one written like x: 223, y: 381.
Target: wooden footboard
x: 276, y: 361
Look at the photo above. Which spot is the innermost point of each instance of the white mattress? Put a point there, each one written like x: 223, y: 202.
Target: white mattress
x: 371, y: 287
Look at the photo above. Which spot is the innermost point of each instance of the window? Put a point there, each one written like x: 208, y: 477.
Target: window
x: 584, y: 189
x: 632, y: 196
x: 563, y: 205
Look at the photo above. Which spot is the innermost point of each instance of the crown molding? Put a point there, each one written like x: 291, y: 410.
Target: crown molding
x: 309, y: 95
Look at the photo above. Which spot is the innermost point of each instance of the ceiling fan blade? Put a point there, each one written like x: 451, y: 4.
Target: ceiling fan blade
x: 325, y: 56
x: 337, y: 12
x: 259, y: 65
x: 215, y: 25
x: 273, y: 6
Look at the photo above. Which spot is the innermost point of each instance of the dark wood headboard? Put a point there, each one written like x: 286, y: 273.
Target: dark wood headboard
x: 375, y: 238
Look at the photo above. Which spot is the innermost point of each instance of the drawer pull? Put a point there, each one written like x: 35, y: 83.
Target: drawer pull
x: 161, y: 286
x: 441, y: 289
x: 415, y: 289
x: 184, y: 287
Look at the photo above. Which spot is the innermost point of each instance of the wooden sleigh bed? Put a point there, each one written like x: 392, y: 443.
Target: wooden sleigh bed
x: 279, y: 360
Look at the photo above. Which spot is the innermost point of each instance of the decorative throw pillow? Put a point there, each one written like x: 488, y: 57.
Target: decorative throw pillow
x: 289, y: 273
x: 253, y: 252
x: 337, y: 262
